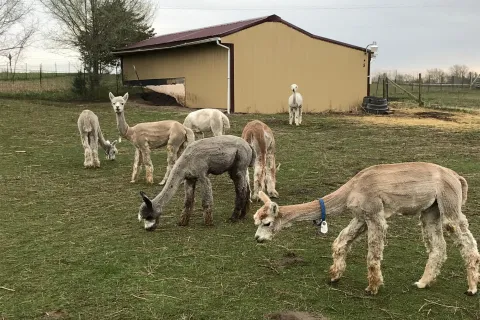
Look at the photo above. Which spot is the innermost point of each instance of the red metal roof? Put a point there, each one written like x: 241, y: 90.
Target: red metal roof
x: 222, y: 30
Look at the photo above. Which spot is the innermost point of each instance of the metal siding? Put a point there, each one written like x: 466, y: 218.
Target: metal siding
x: 272, y: 56
x: 204, y: 68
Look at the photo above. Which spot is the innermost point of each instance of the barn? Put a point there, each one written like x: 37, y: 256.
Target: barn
x: 248, y: 66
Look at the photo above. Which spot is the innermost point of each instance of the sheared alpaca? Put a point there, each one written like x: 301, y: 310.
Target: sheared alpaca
x: 373, y: 195
x: 151, y: 135
x: 295, y: 103
x: 260, y: 137
x: 91, y: 135
x: 207, y: 120
x: 214, y: 155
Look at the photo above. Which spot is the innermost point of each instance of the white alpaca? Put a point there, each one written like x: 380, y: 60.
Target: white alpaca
x: 376, y: 193
x: 91, y: 135
x: 295, y: 103
x: 207, y: 120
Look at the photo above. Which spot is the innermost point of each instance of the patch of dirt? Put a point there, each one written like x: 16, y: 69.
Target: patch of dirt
x: 293, y: 315
x: 57, y: 314
x: 288, y: 259
x: 446, y: 116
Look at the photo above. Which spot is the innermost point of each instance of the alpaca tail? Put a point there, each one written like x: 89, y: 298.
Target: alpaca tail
x: 189, y: 135
x: 226, y: 121
x: 464, y: 184
x: 254, y: 156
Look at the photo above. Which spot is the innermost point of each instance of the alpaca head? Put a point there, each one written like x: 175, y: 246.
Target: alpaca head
x: 111, y: 150
x: 294, y: 87
x: 267, y: 218
x: 148, y: 214
x: 118, y: 103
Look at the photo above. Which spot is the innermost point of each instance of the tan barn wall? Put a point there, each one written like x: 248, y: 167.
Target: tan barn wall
x: 204, y: 68
x: 271, y: 56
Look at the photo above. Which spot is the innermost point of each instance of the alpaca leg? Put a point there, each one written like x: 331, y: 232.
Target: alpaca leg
x: 189, y: 202
x: 207, y: 200
x: 297, y: 112
x: 147, y: 161
x: 290, y: 116
x: 88, y: 162
x: 377, y: 227
x: 137, y: 165
x: 171, y: 159
x: 341, y: 246
x: 468, y: 250
x: 94, y: 146
x: 435, y: 243
x: 300, y: 115
x: 241, y: 195
x: 216, y: 125
x: 270, y: 176
x: 259, y: 176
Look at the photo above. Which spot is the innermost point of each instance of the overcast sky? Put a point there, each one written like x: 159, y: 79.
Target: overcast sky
x: 412, y: 35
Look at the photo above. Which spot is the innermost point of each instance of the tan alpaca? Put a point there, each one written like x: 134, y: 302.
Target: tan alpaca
x: 151, y: 135
x: 373, y: 195
x: 260, y: 137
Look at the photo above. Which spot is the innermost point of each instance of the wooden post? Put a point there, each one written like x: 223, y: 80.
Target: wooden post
x: 453, y: 81
x: 395, y: 88
x: 386, y: 88
x: 40, y: 74
x: 383, y: 89
x: 429, y: 79
x: 26, y: 72
x: 470, y: 80
x: 441, y: 83
x: 420, y: 102
x: 378, y: 84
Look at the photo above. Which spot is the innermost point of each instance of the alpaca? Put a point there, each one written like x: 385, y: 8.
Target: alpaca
x: 260, y: 137
x: 214, y: 155
x: 373, y: 195
x: 91, y: 135
x: 295, y: 103
x: 207, y: 120
x: 151, y: 135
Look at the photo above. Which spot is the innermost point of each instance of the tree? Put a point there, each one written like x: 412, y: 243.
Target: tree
x: 436, y: 75
x: 459, y: 71
x: 16, y: 28
x: 95, y: 27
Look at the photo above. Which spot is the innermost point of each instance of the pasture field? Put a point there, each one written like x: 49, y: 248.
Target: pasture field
x: 71, y: 246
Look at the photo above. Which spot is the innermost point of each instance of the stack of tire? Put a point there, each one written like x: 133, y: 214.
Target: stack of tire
x: 375, y: 105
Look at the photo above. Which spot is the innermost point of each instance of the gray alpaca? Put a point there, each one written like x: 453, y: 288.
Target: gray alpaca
x: 215, y: 155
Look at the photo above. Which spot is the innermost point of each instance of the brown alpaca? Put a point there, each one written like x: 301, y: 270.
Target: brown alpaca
x: 260, y: 137
x: 377, y: 193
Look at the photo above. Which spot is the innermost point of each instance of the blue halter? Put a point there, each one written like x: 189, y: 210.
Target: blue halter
x: 323, y: 213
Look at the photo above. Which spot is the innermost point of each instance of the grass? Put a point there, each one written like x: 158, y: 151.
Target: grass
x: 436, y: 97
x: 71, y: 246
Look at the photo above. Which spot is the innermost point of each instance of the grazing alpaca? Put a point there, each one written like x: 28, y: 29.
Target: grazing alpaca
x: 214, y: 155
x: 151, y: 135
x: 91, y: 135
x: 207, y: 120
x: 295, y: 103
x: 373, y: 195
x: 260, y: 137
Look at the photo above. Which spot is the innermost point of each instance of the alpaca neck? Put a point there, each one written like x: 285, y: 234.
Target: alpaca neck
x: 171, y: 186
x: 335, y: 203
x: 101, y: 140
x: 294, y: 97
x: 122, y: 126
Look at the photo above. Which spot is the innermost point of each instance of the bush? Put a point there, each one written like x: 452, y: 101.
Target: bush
x: 79, y: 85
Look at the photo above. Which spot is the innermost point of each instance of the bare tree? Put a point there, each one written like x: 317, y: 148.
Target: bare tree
x: 95, y: 27
x: 16, y: 28
x: 459, y: 71
x: 436, y: 75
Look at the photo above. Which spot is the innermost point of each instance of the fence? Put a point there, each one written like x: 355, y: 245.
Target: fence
x: 449, y: 91
x: 50, y: 79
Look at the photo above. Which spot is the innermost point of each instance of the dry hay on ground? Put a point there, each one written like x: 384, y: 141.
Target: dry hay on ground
x: 293, y: 315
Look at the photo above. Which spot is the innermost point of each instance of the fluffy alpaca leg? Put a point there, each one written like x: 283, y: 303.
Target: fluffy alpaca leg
x: 300, y: 115
x: 94, y: 146
x: 377, y: 227
x: 207, y: 201
x: 216, y: 125
x: 148, y: 165
x: 189, y: 202
x: 171, y: 159
x: 469, y: 252
x: 259, y: 176
x: 290, y: 116
x: 435, y: 243
x: 297, y: 113
x: 137, y: 161
x: 271, y: 176
x: 341, y: 246
x: 87, y: 163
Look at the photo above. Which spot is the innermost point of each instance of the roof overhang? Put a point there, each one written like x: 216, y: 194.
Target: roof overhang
x: 178, y: 45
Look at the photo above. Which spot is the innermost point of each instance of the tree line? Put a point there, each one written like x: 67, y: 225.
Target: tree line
x: 458, y: 73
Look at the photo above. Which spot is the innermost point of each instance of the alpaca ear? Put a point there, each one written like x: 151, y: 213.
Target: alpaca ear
x: 114, y: 142
x: 147, y: 201
x: 274, y: 208
x: 125, y: 97
x: 111, y: 96
x: 263, y: 197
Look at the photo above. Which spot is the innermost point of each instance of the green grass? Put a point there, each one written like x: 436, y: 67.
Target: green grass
x: 70, y: 240
x: 436, y: 97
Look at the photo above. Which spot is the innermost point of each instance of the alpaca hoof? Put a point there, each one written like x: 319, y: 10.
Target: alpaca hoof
x: 471, y: 293
x: 334, y: 280
x: 132, y: 181
x: 273, y: 194
x: 420, y: 285
x: 371, y: 292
